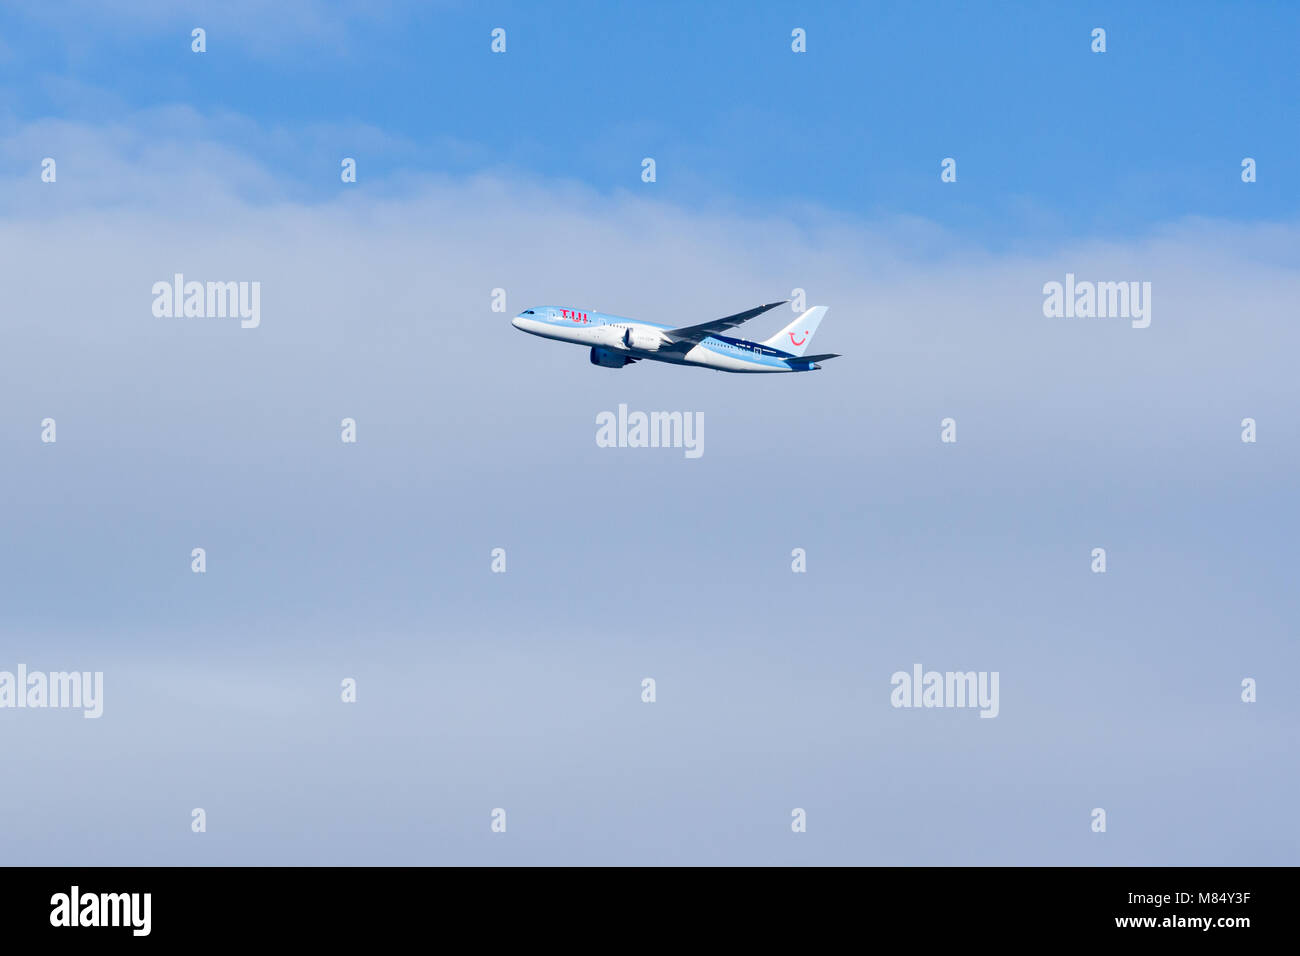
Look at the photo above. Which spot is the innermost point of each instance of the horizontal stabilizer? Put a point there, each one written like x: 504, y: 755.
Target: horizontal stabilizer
x: 815, y: 358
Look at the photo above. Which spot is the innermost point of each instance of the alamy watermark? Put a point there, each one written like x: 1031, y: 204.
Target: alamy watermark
x: 651, y: 430
x: 946, y: 689
x: 208, y: 300
x: 1098, y: 300
x: 37, y: 689
x: 77, y: 908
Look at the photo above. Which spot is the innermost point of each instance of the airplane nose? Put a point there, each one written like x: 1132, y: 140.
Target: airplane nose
x: 515, y: 322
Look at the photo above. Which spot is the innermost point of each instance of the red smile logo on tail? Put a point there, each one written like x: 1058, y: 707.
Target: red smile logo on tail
x: 801, y: 341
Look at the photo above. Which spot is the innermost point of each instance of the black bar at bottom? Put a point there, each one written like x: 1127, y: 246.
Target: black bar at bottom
x: 659, y: 906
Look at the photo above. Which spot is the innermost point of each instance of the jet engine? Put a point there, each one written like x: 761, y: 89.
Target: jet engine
x: 608, y: 358
x: 645, y: 340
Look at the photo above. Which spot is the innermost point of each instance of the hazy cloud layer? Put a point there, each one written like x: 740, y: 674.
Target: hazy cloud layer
x: 522, y: 690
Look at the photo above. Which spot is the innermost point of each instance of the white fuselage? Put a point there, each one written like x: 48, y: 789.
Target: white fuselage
x: 614, y: 335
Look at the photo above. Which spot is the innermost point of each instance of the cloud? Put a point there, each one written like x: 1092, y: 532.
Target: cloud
x: 927, y: 320
x: 328, y: 560
x: 375, y: 305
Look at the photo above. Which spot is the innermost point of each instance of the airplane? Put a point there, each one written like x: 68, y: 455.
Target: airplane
x: 616, y: 341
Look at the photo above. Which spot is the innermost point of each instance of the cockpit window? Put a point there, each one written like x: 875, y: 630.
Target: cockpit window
x: 529, y: 312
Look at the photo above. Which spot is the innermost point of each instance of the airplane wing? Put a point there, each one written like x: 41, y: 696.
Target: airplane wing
x: 697, y: 333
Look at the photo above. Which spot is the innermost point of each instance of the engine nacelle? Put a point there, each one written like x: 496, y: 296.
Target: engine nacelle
x: 645, y: 340
x: 608, y: 358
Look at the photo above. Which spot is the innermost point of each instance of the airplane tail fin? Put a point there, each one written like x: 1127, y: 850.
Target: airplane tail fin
x: 794, y: 338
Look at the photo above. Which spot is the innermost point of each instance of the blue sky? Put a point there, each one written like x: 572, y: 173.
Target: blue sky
x: 776, y: 171
x: 1051, y: 139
